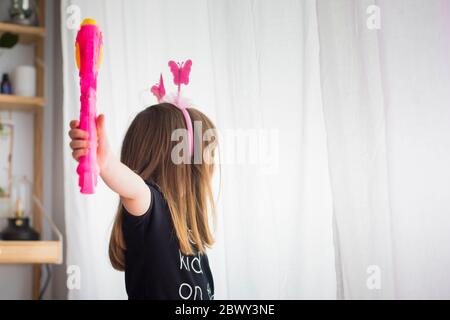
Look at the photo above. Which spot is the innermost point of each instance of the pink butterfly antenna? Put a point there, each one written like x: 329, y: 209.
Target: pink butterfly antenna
x: 180, y: 71
x: 158, y: 90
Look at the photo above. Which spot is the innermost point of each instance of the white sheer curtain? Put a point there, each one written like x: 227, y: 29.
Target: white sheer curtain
x: 354, y: 112
x: 386, y: 102
x: 415, y: 51
x: 256, y: 69
x: 361, y: 118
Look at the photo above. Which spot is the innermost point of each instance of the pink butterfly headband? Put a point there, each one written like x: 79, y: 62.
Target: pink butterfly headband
x: 180, y: 73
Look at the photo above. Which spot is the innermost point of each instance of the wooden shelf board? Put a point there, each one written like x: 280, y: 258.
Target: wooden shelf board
x: 27, y: 34
x: 13, y: 103
x: 30, y: 252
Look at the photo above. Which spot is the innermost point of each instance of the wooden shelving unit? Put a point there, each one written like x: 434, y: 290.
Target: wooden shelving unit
x: 17, y: 103
x: 27, y: 34
x: 32, y: 252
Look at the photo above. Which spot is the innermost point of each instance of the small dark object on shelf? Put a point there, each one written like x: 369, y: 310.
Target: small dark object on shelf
x: 19, y: 229
x: 23, y: 12
x: 5, y: 85
x: 8, y: 40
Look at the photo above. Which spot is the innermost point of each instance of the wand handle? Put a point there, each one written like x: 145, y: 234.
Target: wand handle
x: 88, y: 57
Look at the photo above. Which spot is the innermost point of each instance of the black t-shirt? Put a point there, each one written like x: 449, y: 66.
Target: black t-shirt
x: 155, y: 268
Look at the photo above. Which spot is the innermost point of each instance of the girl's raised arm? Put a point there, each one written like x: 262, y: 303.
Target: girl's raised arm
x: 134, y: 193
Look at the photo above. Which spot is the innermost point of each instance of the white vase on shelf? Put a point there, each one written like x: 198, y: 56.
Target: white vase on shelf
x: 24, y: 81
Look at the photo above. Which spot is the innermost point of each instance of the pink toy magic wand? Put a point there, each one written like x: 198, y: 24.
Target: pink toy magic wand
x: 88, y: 57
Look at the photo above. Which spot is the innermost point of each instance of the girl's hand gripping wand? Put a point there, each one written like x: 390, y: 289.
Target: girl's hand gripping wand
x: 88, y: 56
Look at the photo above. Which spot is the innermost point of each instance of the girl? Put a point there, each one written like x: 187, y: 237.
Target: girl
x: 161, y: 230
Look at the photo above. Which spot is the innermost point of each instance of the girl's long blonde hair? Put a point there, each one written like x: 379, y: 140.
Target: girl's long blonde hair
x: 147, y: 149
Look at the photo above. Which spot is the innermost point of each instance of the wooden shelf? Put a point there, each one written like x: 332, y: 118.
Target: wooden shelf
x: 27, y: 34
x: 22, y: 252
x: 18, y: 103
x: 34, y: 252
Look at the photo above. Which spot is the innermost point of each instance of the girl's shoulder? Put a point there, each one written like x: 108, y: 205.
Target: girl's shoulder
x: 157, y: 204
x: 156, y: 191
x: 152, y: 183
x: 153, y: 186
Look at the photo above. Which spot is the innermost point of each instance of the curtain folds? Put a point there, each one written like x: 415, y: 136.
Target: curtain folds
x: 354, y: 111
x: 344, y: 192
x: 255, y: 72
